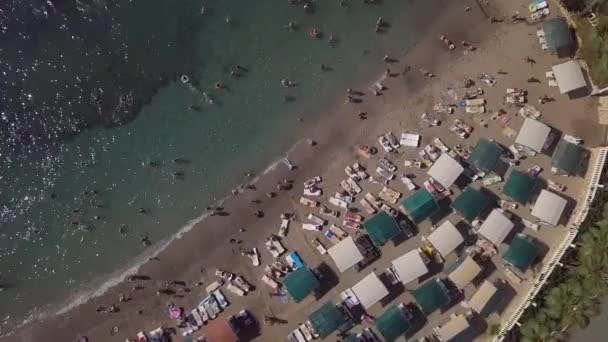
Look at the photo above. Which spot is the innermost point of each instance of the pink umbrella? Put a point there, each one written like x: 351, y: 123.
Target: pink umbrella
x: 176, y: 312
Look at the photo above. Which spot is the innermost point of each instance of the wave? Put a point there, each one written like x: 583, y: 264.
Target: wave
x: 136, y: 263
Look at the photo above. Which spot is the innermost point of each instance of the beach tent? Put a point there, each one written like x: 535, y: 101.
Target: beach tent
x: 420, y: 206
x: 470, y: 203
x: 382, y: 227
x: 345, y: 254
x: 370, y: 290
x: 569, y: 76
x: 549, y: 207
x: 485, y: 155
x: 445, y: 238
x: 329, y: 318
x: 533, y: 135
x: 431, y: 296
x: 519, y: 186
x: 410, y: 266
x: 557, y: 33
x: 484, y: 296
x: 445, y: 170
x: 496, y: 227
x: 567, y: 158
x: 521, y: 253
x: 455, y: 326
x: 393, y: 323
x: 220, y: 330
x: 464, y: 273
x: 300, y: 283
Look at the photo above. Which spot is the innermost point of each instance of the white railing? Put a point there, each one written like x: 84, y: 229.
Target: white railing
x: 594, y: 179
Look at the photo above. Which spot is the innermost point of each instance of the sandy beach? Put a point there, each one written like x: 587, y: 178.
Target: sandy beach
x: 195, y: 257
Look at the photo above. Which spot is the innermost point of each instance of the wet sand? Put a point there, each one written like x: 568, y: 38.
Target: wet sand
x: 195, y: 257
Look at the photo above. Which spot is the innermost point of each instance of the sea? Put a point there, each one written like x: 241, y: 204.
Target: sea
x: 112, y: 129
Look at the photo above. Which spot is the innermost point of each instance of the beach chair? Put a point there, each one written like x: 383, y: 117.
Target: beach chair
x: 270, y: 282
x: 353, y: 185
x: 319, y: 246
x: 338, y: 231
x: 367, y: 206
x: 221, y: 299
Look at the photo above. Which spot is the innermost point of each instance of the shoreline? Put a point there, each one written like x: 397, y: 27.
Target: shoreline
x: 111, y: 288
x: 327, y: 158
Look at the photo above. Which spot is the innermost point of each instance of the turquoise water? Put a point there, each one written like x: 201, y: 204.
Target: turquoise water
x: 71, y: 212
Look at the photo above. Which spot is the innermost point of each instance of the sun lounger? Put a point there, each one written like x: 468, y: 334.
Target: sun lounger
x: 305, y: 331
x: 312, y: 182
x: 242, y: 283
x: 293, y: 260
x: 221, y: 299
x: 385, y: 174
x: 552, y: 83
x: 325, y: 211
x: 529, y: 111
x: 283, y: 228
x: 392, y: 193
x: 475, y: 109
x: 537, y: 5
x: 197, y: 317
x: 215, y: 285
x: 270, y: 282
x: 540, y: 33
x: 332, y: 237
x: 412, y: 140
x: 308, y: 202
x: 298, y: 335
x: 349, y: 215
x: 386, y: 165
x: 392, y: 140
x: 351, y: 173
x: 540, y: 14
x: 274, y: 246
x: 367, y: 206
x: 385, y: 143
x: 203, y: 313
x: 313, y: 192
x: 319, y: 246
x: 412, y: 163
x: 387, y: 198
x: 316, y: 220
x: 234, y: 289
x: 338, y: 231
x: 346, y: 187
x: 351, y: 225
x: 440, y: 145
x: 375, y: 202
x: 312, y: 227
x: 338, y: 202
x: 344, y: 197
x: 360, y: 170
x: 512, y: 276
x: 530, y: 224
x: 408, y: 183
x: 378, y: 180
x: 474, y: 102
x: 354, y: 186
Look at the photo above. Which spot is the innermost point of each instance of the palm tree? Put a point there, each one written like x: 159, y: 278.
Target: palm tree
x: 540, y: 328
x: 570, y: 304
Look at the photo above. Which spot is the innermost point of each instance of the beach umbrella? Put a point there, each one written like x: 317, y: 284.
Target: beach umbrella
x: 175, y: 312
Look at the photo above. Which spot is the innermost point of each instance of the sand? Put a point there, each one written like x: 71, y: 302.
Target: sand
x: 195, y: 257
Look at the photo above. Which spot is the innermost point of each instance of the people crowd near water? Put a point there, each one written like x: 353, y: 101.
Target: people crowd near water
x: 218, y: 91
